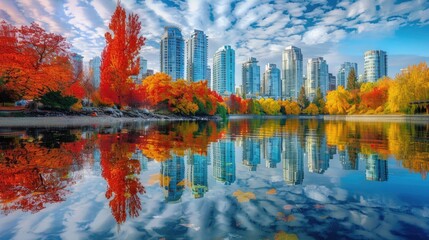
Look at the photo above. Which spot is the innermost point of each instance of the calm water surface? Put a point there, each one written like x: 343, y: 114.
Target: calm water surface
x: 245, y: 179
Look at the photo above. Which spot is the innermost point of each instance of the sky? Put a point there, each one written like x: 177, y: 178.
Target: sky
x: 338, y: 31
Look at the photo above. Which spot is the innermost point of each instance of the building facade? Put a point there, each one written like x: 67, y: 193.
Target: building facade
x: 271, y: 85
x: 224, y: 71
x: 317, y: 77
x: 291, y: 72
x: 332, y: 82
x: 172, y: 53
x: 375, y: 65
x: 196, y: 56
x: 94, y: 71
x: 344, y: 71
x: 251, y: 77
x: 77, y: 62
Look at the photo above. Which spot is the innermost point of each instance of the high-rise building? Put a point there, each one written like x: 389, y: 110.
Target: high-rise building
x: 77, y: 62
x: 142, y: 72
x: 224, y: 71
x: 317, y: 77
x: 375, y: 65
x: 271, y: 85
x: 209, y: 77
x: 251, y: 77
x: 344, y: 71
x: 196, y: 56
x: 271, y: 151
x: 332, y: 82
x: 316, y: 153
x: 291, y: 72
x: 172, y: 53
x: 94, y: 71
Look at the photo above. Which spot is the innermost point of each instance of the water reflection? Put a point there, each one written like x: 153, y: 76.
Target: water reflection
x: 187, y: 160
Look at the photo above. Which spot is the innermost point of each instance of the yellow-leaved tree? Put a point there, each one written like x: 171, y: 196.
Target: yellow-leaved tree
x: 312, y: 109
x: 409, y: 86
x: 337, y: 101
x: 269, y: 106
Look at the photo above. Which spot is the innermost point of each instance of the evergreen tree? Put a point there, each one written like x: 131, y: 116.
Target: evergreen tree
x: 303, y: 101
x: 352, y: 80
x: 319, y: 100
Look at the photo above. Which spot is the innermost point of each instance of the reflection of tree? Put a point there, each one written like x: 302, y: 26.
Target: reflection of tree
x: 121, y: 174
x: 33, y: 176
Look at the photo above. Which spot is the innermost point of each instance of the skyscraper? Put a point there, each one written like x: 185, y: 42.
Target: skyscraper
x: 317, y: 77
x: 172, y: 53
x: 173, y: 172
x: 224, y: 70
x: 77, y: 61
x: 94, y: 71
x: 224, y: 162
x: 291, y: 72
x: 197, y: 174
x: 196, y: 57
x: 271, y: 85
x: 251, y: 77
x: 376, y: 168
x: 251, y: 153
x: 332, y: 82
x: 375, y: 65
x: 344, y: 71
x: 142, y: 72
x: 293, y: 161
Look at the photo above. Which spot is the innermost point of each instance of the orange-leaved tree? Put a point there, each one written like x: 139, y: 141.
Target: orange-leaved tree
x: 33, y: 61
x: 120, y: 57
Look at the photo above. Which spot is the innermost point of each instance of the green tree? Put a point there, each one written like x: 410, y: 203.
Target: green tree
x: 303, y: 101
x: 319, y: 100
x: 352, y: 80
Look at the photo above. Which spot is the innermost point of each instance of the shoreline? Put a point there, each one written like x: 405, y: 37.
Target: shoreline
x: 68, y: 121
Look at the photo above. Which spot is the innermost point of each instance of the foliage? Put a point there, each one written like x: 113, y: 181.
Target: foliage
x: 352, y: 80
x: 33, y: 61
x: 312, y: 109
x: 303, y: 101
x: 54, y: 99
x: 236, y: 104
x: 120, y: 58
x: 289, y: 107
x: 411, y: 85
x: 337, y: 101
x: 319, y: 100
x: 269, y: 106
x: 221, y: 110
x: 253, y: 107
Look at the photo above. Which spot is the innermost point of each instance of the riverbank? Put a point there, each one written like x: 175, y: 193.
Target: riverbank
x: 379, y: 118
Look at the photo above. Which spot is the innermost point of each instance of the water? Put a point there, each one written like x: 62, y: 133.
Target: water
x: 246, y: 179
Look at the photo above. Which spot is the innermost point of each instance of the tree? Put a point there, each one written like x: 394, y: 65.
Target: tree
x: 312, y: 109
x: 269, y: 106
x: 120, y: 57
x: 352, y: 80
x: 303, y: 101
x: 33, y: 61
x: 337, y: 101
x: 319, y: 101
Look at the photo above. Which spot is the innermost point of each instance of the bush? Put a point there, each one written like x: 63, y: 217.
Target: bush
x: 54, y: 100
x: 221, y: 111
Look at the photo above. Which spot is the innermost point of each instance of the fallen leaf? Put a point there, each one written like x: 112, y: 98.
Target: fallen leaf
x: 287, y: 207
x: 285, y: 236
x: 318, y: 206
x: 272, y: 191
x: 243, y: 196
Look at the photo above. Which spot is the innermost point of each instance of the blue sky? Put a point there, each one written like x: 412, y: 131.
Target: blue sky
x: 336, y: 30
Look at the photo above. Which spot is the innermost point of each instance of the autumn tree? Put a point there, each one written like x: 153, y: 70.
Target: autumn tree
x: 120, y: 57
x: 319, y: 100
x: 303, y: 101
x: 312, y: 109
x: 352, y: 80
x: 337, y: 101
x: 33, y: 61
x: 269, y: 106
x: 411, y: 85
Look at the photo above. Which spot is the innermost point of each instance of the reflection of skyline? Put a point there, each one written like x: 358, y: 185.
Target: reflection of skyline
x: 376, y: 168
x: 251, y: 153
x: 172, y: 180
x: 197, y: 174
x: 293, y: 161
x: 346, y: 161
x: 316, y: 153
x: 271, y: 151
x: 224, y: 162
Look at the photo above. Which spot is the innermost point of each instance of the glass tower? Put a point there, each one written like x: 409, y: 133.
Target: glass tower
x: 251, y: 77
x: 196, y: 60
x: 317, y: 76
x: 172, y: 53
x: 271, y: 85
x: 224, y: 71
x: 291, y: 72
x: 375, y: 65
x: 344, y: 71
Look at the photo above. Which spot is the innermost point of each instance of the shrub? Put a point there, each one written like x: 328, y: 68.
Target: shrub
x: 54, y: 100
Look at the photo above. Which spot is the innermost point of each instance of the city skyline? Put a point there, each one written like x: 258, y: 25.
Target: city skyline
x: 338, y: 32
